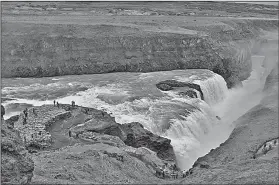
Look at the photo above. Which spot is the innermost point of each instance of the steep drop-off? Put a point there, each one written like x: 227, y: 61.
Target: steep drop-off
x: 16, y: 164
x: 37, y: 50
x: 250, y: 154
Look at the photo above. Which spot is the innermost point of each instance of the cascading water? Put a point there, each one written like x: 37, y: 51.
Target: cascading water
x: 188, y: 134
x: 190, y: 123
x: 214, y: 89
x: 181, y: 119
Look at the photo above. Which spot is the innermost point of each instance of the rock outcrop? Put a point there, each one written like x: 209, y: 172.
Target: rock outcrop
x: 172, y: 84
x: 137, y: 136
x: 16, y: 164
x: 48, y: 126
x: 133, y: 134
x: 117, y: 153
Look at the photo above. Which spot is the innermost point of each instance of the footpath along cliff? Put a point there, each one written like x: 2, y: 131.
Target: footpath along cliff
x: 84, y: 145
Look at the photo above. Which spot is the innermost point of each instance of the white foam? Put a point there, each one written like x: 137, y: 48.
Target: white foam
x: 186, y: 134
x: 214, y: 89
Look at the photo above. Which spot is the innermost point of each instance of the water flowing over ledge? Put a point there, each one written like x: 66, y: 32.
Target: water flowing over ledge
x: 134, y: 97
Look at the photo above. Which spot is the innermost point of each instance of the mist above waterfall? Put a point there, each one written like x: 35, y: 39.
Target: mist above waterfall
x: 237, y: 101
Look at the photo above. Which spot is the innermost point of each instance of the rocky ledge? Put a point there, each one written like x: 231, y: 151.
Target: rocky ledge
x: 16, y: 164
x: 40, y: 128
x: 84, y: 145
x: 190, y: 90
x: 132, y: 134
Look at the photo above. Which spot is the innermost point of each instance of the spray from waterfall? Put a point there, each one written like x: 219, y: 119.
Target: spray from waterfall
x: 214, y: 89
x: 189, y: 135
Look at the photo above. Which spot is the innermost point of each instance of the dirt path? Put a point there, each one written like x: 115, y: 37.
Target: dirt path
x: 60, y: 131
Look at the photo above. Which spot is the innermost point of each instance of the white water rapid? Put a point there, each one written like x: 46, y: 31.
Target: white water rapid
x: 190, y: 123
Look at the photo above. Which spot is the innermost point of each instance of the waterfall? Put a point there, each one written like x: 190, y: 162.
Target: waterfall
x: 214, y: 89
x: 186, y: 134
x: 186, y: 121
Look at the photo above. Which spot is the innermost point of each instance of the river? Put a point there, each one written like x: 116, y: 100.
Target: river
x: 190, y: 123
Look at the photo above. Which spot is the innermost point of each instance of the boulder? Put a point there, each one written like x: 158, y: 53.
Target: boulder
x: 137, y: 136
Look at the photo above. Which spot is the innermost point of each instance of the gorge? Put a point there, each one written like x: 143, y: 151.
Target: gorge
x: 153, y: 90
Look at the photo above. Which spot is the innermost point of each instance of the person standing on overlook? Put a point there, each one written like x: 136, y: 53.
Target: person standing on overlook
x: 25, y: 112
x: 73, y: 103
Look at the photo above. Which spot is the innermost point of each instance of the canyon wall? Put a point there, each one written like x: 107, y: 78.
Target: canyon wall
x: 250, y: 154
x: 39, y: 50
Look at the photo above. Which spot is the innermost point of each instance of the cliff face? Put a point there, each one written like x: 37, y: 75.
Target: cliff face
x: 250, y: 154
x: 86, y: 146
x: 37, y: 50
x: 16, y: 164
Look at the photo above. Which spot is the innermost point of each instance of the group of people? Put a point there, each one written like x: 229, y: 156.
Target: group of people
x: 162, y: 171
x: 268, y: 147
x: 186, y: 173
x: 25, y: 114
x: 55, y: 103
x: 265, y: 148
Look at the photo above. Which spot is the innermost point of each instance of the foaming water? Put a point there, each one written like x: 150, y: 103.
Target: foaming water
x: 186, y: 135
x: 240, y: 99
x: 229, y: 106
x: 235, y: 103
x: 190, y: 123
x: 135, y: 98
x: 214, y: 89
